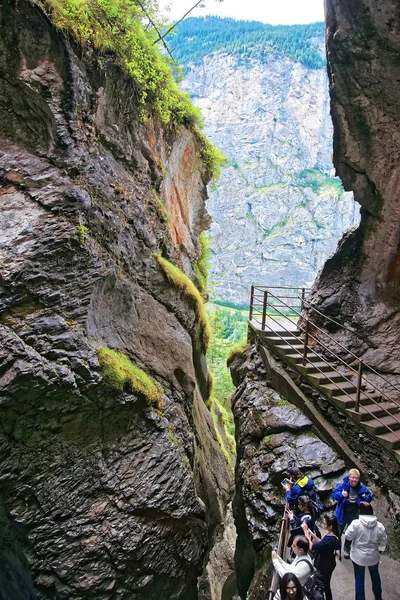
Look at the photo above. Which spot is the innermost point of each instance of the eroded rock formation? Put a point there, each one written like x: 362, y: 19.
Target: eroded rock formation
x: 112, y: 498
x: 360, y: 284
x: 271, y: 435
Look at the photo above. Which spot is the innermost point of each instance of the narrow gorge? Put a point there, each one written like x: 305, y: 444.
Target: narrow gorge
x: 117, y: 481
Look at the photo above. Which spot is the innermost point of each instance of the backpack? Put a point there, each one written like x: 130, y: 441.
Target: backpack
x: 314, y: 583
x: 315, y: 499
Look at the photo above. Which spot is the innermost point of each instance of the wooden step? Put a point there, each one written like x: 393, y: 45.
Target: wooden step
x: 298, y: 358
x: 389, y: 440
x: 331, y: 389
x: 369, y: 411
x: 269, y: 333
x: 289, y: 348
x: 316, y: 367
x: 348, y: 402
x: 383, y: 424
x: 327, y: 377
x: 286, y: 344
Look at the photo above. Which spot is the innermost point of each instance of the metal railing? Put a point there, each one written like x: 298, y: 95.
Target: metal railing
x: 281, y: 550
x: 264, y: 303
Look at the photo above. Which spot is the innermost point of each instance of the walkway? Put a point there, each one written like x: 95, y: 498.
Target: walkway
x: 343, y: 580
x: 303, y: 345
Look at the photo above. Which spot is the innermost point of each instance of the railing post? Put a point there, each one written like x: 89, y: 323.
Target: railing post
x: 264, y: 310
x: 251, y: 302
x: 305, y: 343
x: 303, y: 295
x: 359, y: 380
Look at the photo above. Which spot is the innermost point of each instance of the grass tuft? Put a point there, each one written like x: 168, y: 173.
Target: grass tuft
x: 122, y: 375
x: 235, y: 351
x: 182, y: 282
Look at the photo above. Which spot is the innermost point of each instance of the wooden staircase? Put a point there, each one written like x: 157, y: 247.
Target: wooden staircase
x: 379, y: 418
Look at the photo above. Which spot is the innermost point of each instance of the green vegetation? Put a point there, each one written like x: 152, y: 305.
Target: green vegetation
x: 318, y: 181
x: 117, y: 26
x: 201, y: 266
x: 229, y: 327
x: 162, y: 210
x: 81, y: 229
x: 229, y: 330
x: 182, y: 282
x: 237, y: 350
x: 197, y: 37
x: 122, y: 375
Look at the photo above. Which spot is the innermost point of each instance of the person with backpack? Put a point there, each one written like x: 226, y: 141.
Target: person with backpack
x: 368, y: 538
x: 299, y: 485
x: 306, y: 515
x: 302, y: 565
x: 325, y: 549
x: 348, y: 496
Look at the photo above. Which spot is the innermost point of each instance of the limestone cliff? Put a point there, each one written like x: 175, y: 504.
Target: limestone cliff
x: 111, y: 496
x: 277, y: 210
x: 360, y: 284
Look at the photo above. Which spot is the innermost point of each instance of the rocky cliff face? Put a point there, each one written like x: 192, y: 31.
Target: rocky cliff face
x: 271, y: 435
x: 360, y: 284
x: 277, y: 209
x: 111, y: 496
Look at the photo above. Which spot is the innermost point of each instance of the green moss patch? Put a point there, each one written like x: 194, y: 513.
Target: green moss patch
x: 201, y: 266
x: 183, y: 283
x: 122, y: 375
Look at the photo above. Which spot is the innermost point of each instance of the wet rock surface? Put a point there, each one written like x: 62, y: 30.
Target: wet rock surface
x: 115, y: 498
x: 360, y: 284
x: 271, y: 435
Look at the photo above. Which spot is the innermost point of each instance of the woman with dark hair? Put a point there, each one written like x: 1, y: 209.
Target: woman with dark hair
x: 290, y: 588
x: 305, y: 515
x: 325, y: 549
x: 368, y: 538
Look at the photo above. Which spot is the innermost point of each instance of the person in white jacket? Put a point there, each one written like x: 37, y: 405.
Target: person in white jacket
x: 301, y: 566
x: 368, y: 538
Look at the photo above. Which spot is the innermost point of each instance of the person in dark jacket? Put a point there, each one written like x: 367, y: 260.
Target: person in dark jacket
x: 325, y: 549
x: 348, y: 496
x: 298, y: 485
x: 305, y: 515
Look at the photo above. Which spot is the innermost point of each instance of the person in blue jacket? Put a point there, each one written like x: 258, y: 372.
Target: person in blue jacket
x: 348, y: 496
x: 298, y: 485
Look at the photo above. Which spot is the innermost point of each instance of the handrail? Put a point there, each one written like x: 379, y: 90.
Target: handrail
x: 344, y: 393
x: 282, y: 545
x: 343, y: 362
x: 308, y: 335
x: 365, y: 365
x: 346, y: 349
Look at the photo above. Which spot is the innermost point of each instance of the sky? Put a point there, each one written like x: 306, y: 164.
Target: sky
x: 276, y: 12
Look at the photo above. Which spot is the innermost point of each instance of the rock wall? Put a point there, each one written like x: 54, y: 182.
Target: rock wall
x: 277, y: 210
x: 112, y: 498
x: 271, y: 436
x: 360, y: 284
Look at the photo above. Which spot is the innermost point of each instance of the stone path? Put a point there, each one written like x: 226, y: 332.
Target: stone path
x: 343, y: 580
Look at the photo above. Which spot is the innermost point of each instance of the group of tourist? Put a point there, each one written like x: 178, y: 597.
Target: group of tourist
x: 308, y: 576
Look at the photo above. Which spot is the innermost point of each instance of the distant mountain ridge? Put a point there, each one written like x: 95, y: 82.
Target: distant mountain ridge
x: 278, y: 210
x: 197, y: 37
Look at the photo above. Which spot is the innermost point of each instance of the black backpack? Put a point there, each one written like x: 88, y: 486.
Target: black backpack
x: 314, y: 583
x: 315, y: 499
